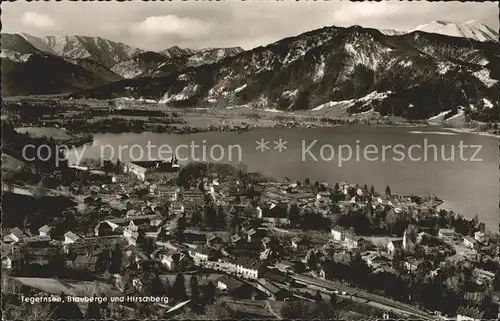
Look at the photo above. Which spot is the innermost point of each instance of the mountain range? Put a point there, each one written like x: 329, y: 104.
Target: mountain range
x: 54, y: 64
x: 436, y: 68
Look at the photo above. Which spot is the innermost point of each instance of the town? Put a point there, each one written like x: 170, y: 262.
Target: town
x: 214, y: 240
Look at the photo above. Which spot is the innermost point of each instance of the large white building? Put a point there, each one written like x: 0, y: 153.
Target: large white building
x: 338, y: 234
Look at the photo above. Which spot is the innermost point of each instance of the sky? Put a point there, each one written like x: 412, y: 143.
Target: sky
x: 201, y: 24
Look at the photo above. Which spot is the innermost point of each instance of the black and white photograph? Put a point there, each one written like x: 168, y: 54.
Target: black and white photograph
x: 215, y: 160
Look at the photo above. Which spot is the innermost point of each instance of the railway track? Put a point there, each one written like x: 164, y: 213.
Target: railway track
x: 369, y: 297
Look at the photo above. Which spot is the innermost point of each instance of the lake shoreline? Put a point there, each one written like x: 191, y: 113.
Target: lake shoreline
x: 472, y: 131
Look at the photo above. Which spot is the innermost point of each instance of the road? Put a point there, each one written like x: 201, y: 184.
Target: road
x: 361, y: 296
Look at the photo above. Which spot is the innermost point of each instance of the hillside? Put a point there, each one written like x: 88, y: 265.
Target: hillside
x: 416, y: 75
x: 469, y: 29
x: 155, y: 64
x: 36, y: 74
x: 29, y: 67
x: 105, y: 52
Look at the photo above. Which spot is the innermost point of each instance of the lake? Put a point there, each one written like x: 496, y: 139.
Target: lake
x: 381, y: 156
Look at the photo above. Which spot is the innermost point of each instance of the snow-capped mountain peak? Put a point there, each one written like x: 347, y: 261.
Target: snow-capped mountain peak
x: 98, y: 49
x: 469, y: 29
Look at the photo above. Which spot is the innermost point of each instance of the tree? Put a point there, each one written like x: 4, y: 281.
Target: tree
x: 195, y: 289
x: 209, y: 293
x: 475, y: 220
x: 8, y: 179
x: 388, y: 191
x: 318, y: 298
x: 325, y: 311
x: 168, y: 288
x: 94, y: 311
x: 312, y: 261
x: 235, y: 221
x: 116, y: 260
x: 307, y: 181
x: 372, y: 190
x: 156, y: 287
x: 221, y: 218
x: 297, y: 309
x: 209, y: 216
x: 496, y: 281
x: 333, y: 299
x: 293, y: 215
x: 67, y: 310
x: 196, y: 219
x: 56, y: 264
x: 27, y: 311
x: 40, y: 189
x: 179, y: 288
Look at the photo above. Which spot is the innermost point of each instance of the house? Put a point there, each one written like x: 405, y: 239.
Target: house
x: 100, y: 176
x: 252, y: 235
x: 235, y: 239
x: 138, y: 220
x: 411, y: 265
x: 37, y: 241
x: 44, y: 230
x: 266, y: 241
x: 374, y: 260
x: 7, y: 249
x: 446, y: 234
x: 354, y: 242
x: 203, y: 254
x: 130, y: 229
x: 480, y: 237
x: 277, y: 277
x: 421, y: 236
x: 285, y: 266
x: 6, y: 263
x: 272, y: 291
x: 105, y: 228
x: 156, y: 222
x: 248, y: 267
x: 177, y: 208
x: 131, y: 237
x: 171, y: 259
x: 70, y: 238
x: 265, y: 254
x: 323, y: 198
x: 275, y: 214
x: 300, y: 244
x: 394, y: 246
x: 471, y: 243
x: 193, y: 196
x: 258, y: 212
x: 14, y: 236
x: 137, y: 284
x: 338, y: 233
x: 170, y: 193
x: 483, y: 276
x: 145, y: 170
x: 234, y: 287
x: 213, y: 240
x: 131, y: 233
